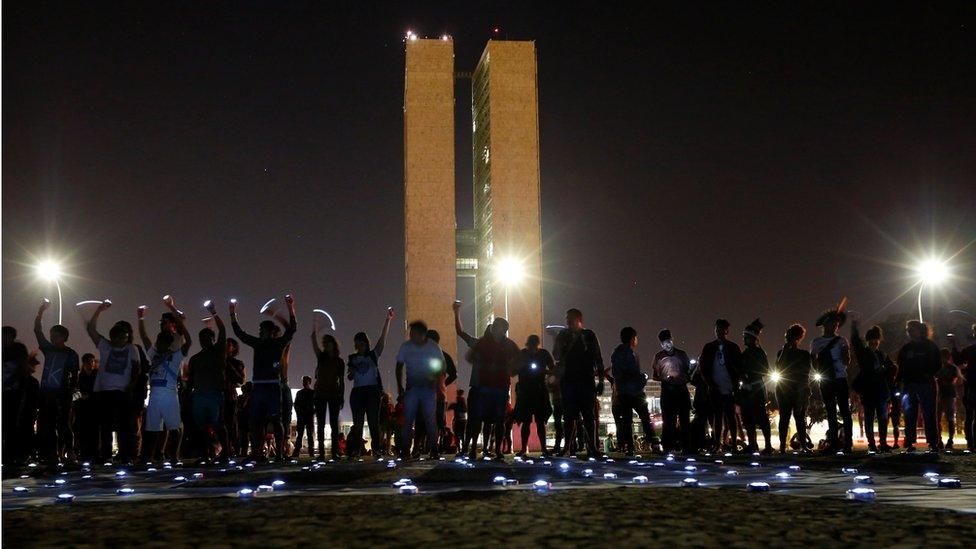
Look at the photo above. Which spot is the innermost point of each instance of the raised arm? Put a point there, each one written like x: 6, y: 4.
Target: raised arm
x: 451, y: 369
x: 381, y: 343
x: 143, y: 335
x: 180, y: 325
x: 92, y: 325
x: 315, y: 339
x: 292, y: 326
x: 42, y: 341
x: 239, y: 332
x: 459, y: 328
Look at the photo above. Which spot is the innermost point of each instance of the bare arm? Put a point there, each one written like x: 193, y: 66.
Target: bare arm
x: 180, y: 326
x: 381, y: 343
x: 92, y: 325
x: 459, y: 328
x: 42, y: 341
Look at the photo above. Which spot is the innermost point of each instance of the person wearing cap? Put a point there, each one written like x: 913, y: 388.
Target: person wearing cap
x: 672, y: 369
x: 875, y: 368
x: 265, y: 398
x: 718, y: 367
x: 751, y: 392
x: 793, y: 388
x: 918, y: 362
x: 965, y: 359
x: 832, y: 355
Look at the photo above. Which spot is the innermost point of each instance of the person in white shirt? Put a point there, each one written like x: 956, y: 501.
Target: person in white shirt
x: 832, y: 354
x: 163, y: 426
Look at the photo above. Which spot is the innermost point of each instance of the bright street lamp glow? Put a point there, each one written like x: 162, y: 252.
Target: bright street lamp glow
x: 510, y: 272
x: 775, y: 376
x: 932, y: 271
x: 48, y: 270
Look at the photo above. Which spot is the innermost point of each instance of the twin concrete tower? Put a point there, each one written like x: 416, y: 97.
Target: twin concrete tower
x: 503, y: 250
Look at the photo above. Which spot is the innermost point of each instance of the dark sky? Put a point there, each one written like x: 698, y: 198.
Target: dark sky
x: 695, y: 164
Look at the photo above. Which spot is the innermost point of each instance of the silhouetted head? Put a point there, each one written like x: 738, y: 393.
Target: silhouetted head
x: 232, y: 347
x: 164, y: 341
x: 418, y: 332
x: 360, y: 342
x: 266, y: 329
x: 120, y: 334
x: 628, y: 336
x: 574, y: 319
x: 59, y: 335
x: 306, y: 382
x: 499, y: 329
x: 532, y: 343
x: 9, y: 335
x: 722, y: 329
x: 916, y: 330
x: 795, y: 334
x: 207, y: 338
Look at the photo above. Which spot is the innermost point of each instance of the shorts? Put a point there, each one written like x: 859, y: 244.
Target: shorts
x: 532, y: 403
x: 578, y: 400
x: 163, y: 412
x: 207, y: 405
x: 491, y: 404
x: 265, y: 402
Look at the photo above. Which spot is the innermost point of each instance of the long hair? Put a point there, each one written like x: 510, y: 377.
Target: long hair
x: 335, y: 344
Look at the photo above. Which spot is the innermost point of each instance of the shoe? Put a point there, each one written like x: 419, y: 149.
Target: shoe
x: 948, y: 444
x: 895, y: 446
x: 872, y: 448
x: 767, y: 451
x: 884, y: 448
x: 909, y: 449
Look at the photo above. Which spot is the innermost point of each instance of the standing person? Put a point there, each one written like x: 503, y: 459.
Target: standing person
x: 86, y: 419
x: 330, y: 388
x: 718, y: 366
x: 120, y: 365
x: 233, y: 379
x: 493, y: 359
x: 947, y: 377
x: 450, y: 376
x: 265, y: 404
x: 966, y: 359
x: 578, y: 357
x: 423, y: 361
x: 793, y: 390
x: 832, y: 355
x: 752, y: 388
x: 207, y: 379
x: 555, y: 394
x: 287, y: 404
x: 16, y: 370
x: 531, y: 394
x: 875, y: 368
x: 166, y: 358
x: 367, y: 388
x: 672, y: 368
x: 630, y: 384
x: 459, y: 409
x: 59, y: 378
x: 244, y: 419
x: 918, y: 362
x: 305, y: 412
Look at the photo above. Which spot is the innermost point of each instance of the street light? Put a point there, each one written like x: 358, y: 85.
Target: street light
x: 510, y: 272
x: 930, y: 272
x: 50, y: 271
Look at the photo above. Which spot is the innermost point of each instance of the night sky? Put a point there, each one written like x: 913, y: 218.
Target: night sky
x: 694, y: 164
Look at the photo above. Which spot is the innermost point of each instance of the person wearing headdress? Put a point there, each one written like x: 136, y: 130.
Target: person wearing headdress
x: 751, y: 392
x: 875, y: 368
x: 718, y: 367
x: 918, y: 362
x: 672, y: 368
x: 965, y: 358
x: 832, y: 355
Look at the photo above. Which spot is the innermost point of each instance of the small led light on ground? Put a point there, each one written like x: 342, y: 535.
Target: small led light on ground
x: 863, y: 479
x: 564, y: 466
x: 391, y: 464
x: 755, y: 464
x: 403, y: 482
x: 609, y: 476
x: 719, y: 462
x: 125, y: 491
x: 547, y: 462
x: 87, y: 477
x: 782, y: 475
x: 278, y: 485
x: 758, y: 486
x: 197, y: 475
x: 950, y: 483
x: 65, y: 498
x: 541, y: 486
x: 20, y: 490
x: 794, y: 467
x: 861, y: 494
x: 659, y: 464
x: 150, y: 469
x: 265, y: 488
x: 587, y: 473
x: 60, y: 481
x: 499, y: 480
x: 409, y: 490
x: 179, y: 479
x: 690, y: 482
x: 690, y: 468
x: 731, y: 473
x: 848, y: 470
x: 245, y: 493
x: 640, y: 479
x: 931, y: 476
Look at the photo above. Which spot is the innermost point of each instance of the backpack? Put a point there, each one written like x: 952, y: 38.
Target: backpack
x: 825, y: 362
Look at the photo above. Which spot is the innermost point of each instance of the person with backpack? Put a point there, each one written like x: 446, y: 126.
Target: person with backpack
x: 832, y: 354
x: 364, y: 371
x: 579, y: 360
x: 751, y: 392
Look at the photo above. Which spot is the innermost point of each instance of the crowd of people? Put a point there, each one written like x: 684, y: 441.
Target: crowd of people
x: 152, y: 400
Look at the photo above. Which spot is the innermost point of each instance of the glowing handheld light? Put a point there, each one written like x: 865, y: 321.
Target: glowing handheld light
x: 89, y: 302
x: 266, y: 306
x: 782, y: 475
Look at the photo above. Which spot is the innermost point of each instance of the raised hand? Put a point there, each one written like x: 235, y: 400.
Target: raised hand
x: 233, y: 306
x: 456, y: 305
x: 44, y: 306
x: 141, y: 312
x: 104, y: 305
x: 390, y: 315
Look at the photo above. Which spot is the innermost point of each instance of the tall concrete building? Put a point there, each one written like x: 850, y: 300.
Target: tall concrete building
x: 429, y: 209
x: 503, y: 251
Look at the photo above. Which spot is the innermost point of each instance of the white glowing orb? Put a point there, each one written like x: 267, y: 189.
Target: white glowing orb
x: 932, y: 271
x: 48, y: 270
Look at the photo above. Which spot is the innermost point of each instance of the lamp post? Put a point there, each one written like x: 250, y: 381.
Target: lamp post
x: 930, y: 272
x: 50, y: 271
x: 510, y: 272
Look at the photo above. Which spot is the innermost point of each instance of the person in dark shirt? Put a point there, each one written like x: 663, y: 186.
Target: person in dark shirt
x: 85, y: 418
x: 579, y: 359
x: 330, y: 388
x: 16, y: 370
x: 207, y: 381
x: 59, y: 379
x: 531, y: 395
x: 965, y: 359
x: 918, y: 362
x: 718, y: 367
x: 459, y: 409
x: 244, y: 418
x: 793, y: 389
x: 233, y: 379
x: 363, y: 370
x: 450, y: 376
x: 946, y: 378
x: 875, y: 368
x: 305, y: 412
x: 672, y: 368
x: 832, y: 356
x: 751, y: 391
x: 629, y: 383
x: 265, y: 405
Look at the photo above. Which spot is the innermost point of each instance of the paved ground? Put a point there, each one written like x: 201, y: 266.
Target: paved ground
x: 459, y: 504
